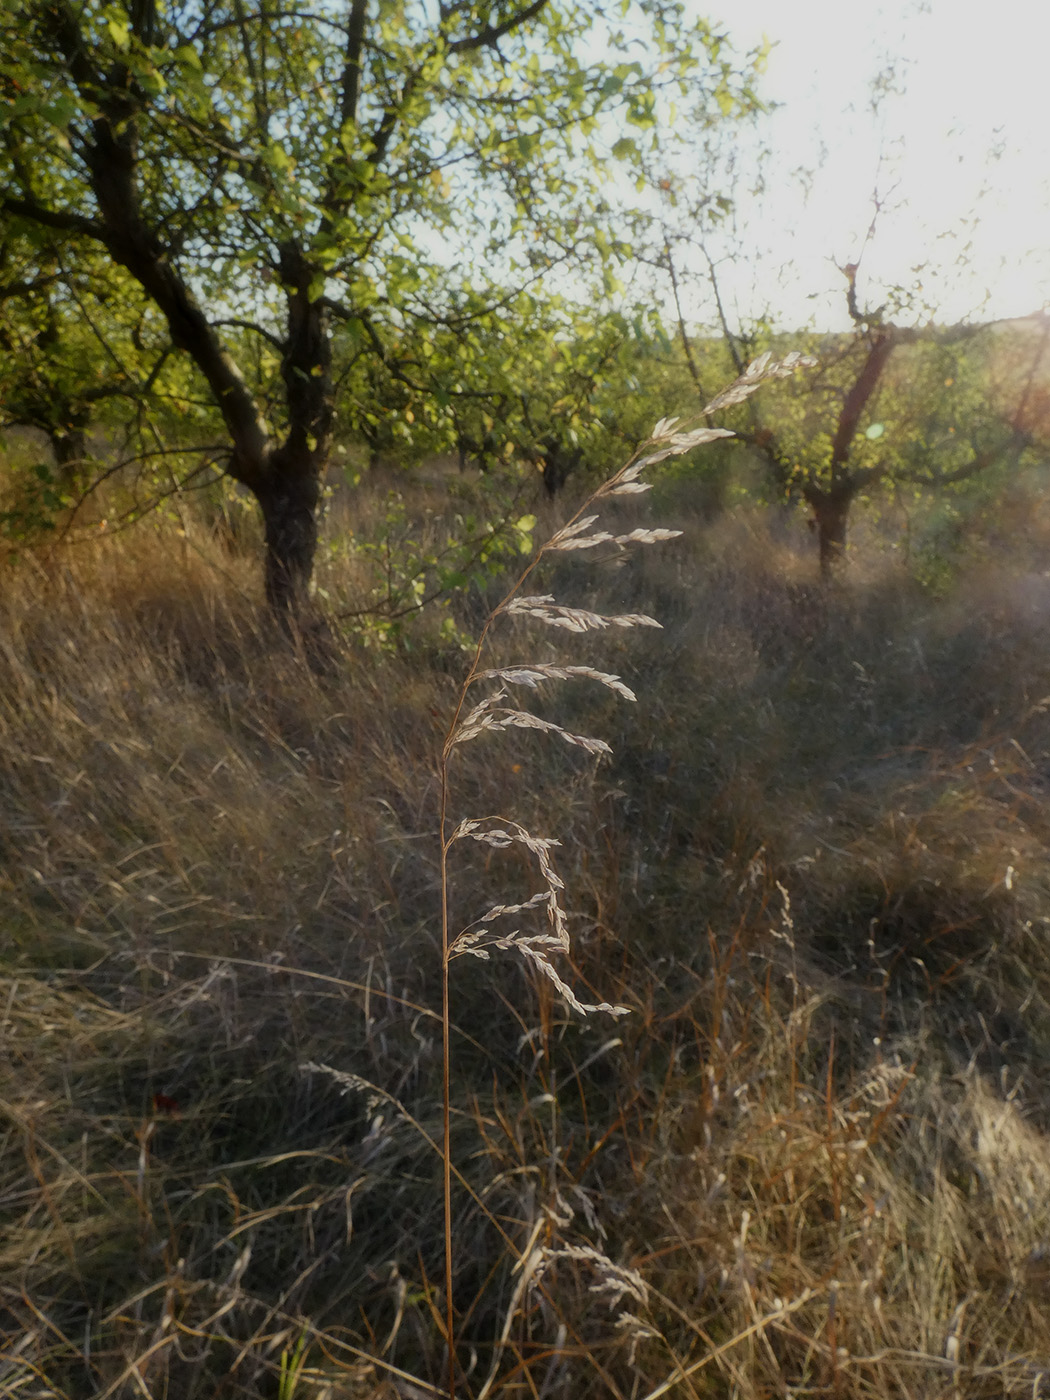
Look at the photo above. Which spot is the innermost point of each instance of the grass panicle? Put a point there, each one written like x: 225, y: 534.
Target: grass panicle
x: 490, y: 715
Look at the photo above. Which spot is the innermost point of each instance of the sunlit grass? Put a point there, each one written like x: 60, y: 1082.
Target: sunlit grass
x: 814, y: 869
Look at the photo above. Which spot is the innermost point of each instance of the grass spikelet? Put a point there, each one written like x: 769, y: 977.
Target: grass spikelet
x: 489, y: 716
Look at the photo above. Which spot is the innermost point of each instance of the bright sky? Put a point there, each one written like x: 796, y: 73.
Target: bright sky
x: 960, y: 153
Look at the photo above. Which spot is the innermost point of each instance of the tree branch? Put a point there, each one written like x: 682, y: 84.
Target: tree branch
x: 274, y: 340
x: 10, y: 290
x: 687, y: 344
x: 857, y: 398
x: 388, y: 122
x: 61, y: 219
x: 739, y: 363
x: 113, y: 160
x: 493, y: 33
x: 355, y: 39
x: 980, y: 461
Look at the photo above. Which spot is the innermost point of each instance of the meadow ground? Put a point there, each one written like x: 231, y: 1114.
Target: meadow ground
x: 813, y: 1160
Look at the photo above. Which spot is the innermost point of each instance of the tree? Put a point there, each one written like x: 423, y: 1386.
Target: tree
x: 855, y: 424
x: 922, y: 429
x: 264, y: 173
x: 915, y: 451
x: 552, y: 389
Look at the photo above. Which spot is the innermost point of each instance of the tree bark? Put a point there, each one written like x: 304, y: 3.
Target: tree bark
x: 831, y: 519
x: 289, y: 503
x: 856, y: 400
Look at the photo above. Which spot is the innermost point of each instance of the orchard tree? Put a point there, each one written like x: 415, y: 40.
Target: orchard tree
x: 541, y: 383
x: 893, y: 404
x: 44, y: 383
x: 263, y: 173
x: 875, y: 411
x: 890, y: 404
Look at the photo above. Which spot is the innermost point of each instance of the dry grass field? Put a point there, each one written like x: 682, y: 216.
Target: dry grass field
x: 814, y: 1159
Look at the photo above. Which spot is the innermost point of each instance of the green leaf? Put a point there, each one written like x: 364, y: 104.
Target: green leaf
x: 187, y: 56
x: 119, y: 30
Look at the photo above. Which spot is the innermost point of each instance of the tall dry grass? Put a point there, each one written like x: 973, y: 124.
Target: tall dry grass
x: 811, y: 1161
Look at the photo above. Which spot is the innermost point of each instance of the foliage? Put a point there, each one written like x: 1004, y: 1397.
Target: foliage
x: 413, y: 564
x: 33, y: 501
x: 85, y: 362
x: 540, y: 384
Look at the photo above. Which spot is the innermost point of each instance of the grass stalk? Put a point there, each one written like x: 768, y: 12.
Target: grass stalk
x: 668, y: 439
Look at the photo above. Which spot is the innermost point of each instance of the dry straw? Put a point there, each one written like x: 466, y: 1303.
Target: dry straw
x: 496, y: 712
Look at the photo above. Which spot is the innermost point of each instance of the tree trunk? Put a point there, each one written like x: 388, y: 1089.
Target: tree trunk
x: 831, y: 506
x: 557, y: 463
x: 289, y: 503
x: 69, y: 445
x: 830, y: 519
